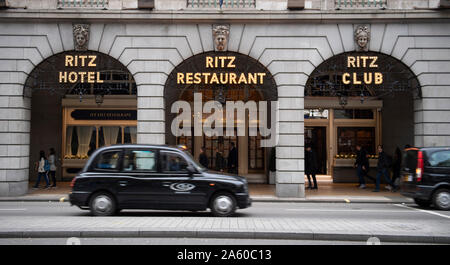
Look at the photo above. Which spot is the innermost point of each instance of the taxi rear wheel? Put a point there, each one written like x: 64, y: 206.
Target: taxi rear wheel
x: 441, y: 199
x: 102, y: 204
x: 223, y: 204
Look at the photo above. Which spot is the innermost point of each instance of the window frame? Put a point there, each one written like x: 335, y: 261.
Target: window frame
x: 93, y: 166
x: 173, y: 172
x: 157, y: 164
x: 435, y: 153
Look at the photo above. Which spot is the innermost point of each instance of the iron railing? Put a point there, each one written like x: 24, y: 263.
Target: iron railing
x: 221, y: 3
x: 360, y: 4
x: 83, y: 3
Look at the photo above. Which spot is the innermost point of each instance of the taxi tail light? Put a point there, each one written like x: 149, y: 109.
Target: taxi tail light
x: 72, y: 183
x: 419, y: 168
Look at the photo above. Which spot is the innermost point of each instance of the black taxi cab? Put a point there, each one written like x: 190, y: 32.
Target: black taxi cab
x: 154, y: 177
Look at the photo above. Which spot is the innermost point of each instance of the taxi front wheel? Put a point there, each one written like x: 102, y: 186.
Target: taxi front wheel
x: 102, y: 204
x: 223, y: 204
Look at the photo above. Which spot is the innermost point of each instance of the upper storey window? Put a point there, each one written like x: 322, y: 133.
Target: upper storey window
x: 221, y: 3
x: 83, y: 3
x: 360, y: 4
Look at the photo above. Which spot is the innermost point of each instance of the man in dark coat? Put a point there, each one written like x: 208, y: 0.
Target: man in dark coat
x: 219, y: 160
x: 362, y: 165
x: 233, y: 160
x: 383, y: 169
x: 203, y: 158
x: 311, y: 167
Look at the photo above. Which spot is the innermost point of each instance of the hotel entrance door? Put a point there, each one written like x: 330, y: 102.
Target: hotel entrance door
x: 316, y: 137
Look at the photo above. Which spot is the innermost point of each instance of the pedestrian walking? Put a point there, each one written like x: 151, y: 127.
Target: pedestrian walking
x: 233, y: 160
x: 219, y: 160
x: 203, y: 158
x: 52, y: 162
x: 42, y: 167
x: 362, y: 165
x: 311, y: 167
x: 383, y: 169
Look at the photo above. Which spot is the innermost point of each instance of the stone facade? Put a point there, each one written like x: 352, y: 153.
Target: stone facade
x: 152, y: 43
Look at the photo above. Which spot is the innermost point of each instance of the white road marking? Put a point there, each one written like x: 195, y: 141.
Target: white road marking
x: 348, y: 210
x: 13, y: 209
x: 424, y: 211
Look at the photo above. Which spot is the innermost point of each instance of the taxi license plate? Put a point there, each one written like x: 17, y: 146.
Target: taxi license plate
x: 407, y: 178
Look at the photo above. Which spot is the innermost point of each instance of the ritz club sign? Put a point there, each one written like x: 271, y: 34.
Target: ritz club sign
x: 367, y: 63
x: 77, y: 61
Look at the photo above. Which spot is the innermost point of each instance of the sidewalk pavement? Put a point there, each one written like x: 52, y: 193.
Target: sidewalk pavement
x: 327, y: 192
x: 419, y: 231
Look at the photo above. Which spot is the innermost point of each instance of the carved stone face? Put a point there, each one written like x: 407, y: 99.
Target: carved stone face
x: 81, y: 36
x: 80, y: 39
x: 221, y: 34
x: 362, y: 38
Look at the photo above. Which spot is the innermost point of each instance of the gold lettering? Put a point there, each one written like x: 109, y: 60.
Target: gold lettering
x: 91, y: 77
x: 73, y: 77
x: 83, y: 57
x: 378, y: 78
x: 92, y: 61
x: 214, y: 79
x: 367, y: 78
x: 344, y: 78
x: 364, y: 58
x: 189, y: 78
x: 242, y: 79
x: 98, y: 78
x: 232, y: 78
x: 69, y: 60
x: 209, y: 62
x: 355, y: 79
x: 374, y: 60
x: 252, y: 78
x: 206, y: 75
x: 63, y: 76
x: 261, y: 77
x: 82, y: 74
x: 231, y: 62
x: 350, y: 61
x: 197, y: 78
x: 180, y: 78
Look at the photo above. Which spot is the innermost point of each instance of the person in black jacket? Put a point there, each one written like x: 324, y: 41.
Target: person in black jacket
x: 362, y: 165
x: 382, y: 169
x: 203, y: 158
x: 220, y: 161
x: 311, y: 167
x: 233, y: 160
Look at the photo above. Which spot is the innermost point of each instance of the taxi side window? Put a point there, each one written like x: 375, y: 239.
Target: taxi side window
x: 440, y: 159
x: 139, y: 160
x: 173, y: 163
x: 108, y: 161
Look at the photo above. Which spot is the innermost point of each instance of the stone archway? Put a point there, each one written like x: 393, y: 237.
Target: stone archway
x: 364, y: 98
x: 229, y: 86
x: 81, y: 100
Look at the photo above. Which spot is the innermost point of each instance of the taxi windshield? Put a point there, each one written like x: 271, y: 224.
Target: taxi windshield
x: 194, y: 163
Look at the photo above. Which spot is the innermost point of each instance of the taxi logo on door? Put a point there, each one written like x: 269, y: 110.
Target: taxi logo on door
x: 182, y: 186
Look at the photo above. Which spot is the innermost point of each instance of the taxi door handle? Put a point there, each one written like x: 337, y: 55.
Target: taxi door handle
x: 123, y: 183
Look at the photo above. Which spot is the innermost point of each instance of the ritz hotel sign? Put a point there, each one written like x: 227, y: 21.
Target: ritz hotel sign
x: 82, y: 76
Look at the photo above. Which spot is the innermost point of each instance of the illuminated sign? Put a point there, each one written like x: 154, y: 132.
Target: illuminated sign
x: 88, y: 114
x: 77, y: 61
x: 222, y: 78
x: 367, y: 77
